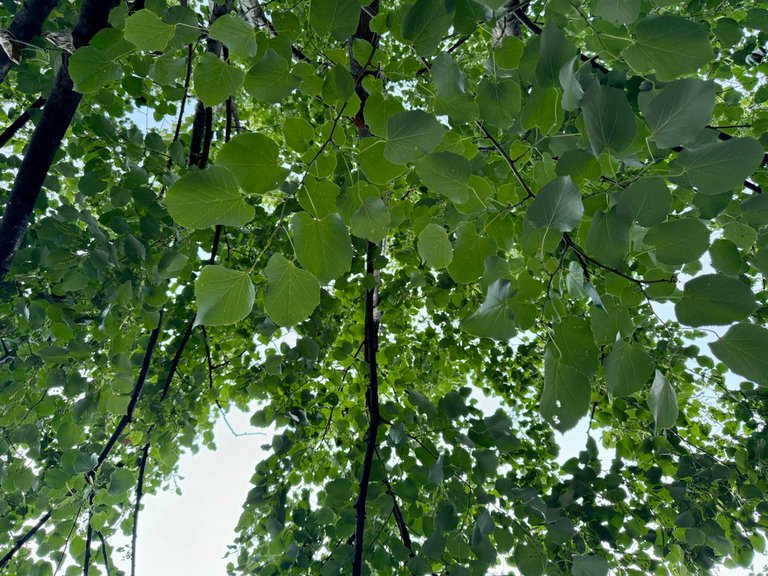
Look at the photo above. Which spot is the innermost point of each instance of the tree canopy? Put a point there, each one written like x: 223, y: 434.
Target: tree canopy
x: 418, y: 240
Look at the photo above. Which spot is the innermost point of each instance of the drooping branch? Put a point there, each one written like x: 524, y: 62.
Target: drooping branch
x: 46, y: 139
x: 19, y: 123
x: 23, y: 539
x: 26, y: 24
x: 372, y: 403
x: 595, y: 63
x: 583, y: 256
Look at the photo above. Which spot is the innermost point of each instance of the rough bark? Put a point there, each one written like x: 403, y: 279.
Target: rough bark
x: 46, y: 139
x: 26, y: 24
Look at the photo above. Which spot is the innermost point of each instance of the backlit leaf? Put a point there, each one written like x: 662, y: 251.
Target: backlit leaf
x: 204, y: 198
x: 223, y: 296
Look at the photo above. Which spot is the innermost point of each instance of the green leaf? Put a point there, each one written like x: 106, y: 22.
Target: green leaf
x: 678, y: 241
x: 589, y: 565
x: 669, y: 45
x: 91, y: 69
x: 570, y: 362
x: 292, y: 293
x: 447, y: 76
x: 410, y: 135
x: 498, y: 101
x: 743, y: 349
x: 608, y: 238
x: 725, y: 257
x: 608, y: 119
x: 298, y: 133
x: 542, y: 110
x: 494, y: 318
x: 270, y: 79
x: 205, y: 198
x: 371, y: 221
x: 223, y: 296
x: 120, y: 481
x: 338, y: 85
x: 469, y: 254
x: 434, y: 246
x: 376, y: 167
x: 619, y: 12
x: 569, y: 82
x: 627, y: 368
x: 426, y: 23
x: 645, y: 201
x: 530, y: 559
x: 254, y: 160
x: 337, y: 18
x: 680, y: 111
x: 566, y: 393
x: 215, y: 80
x: 557, y: 206
x: 322, y: 246
x: 720, y: 166
x: 555, y: 52
x: 663, y: 402
x: 713, y: 299
x: 236, y: 33
x: 145, y: 30
x: 446, y: 173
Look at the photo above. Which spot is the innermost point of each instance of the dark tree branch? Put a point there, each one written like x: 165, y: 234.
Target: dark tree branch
x: 252, y: 12
x: 372, y: 403
x: 507, y: 158
x: 402, y: 527
x: 128, y: 416
x: 66, y: 541
x: 88, y: 535
x: 21, y: 540
x: 583, y: 256
x: 19, y: 123
x: 26, y: 24
x: 187, y: 78
x: 177, y: 357
x: 46, y: 139
x: 137, y: 506
x: 104, y: 552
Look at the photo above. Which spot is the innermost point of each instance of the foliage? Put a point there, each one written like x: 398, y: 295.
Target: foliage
x: 416, y: 239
